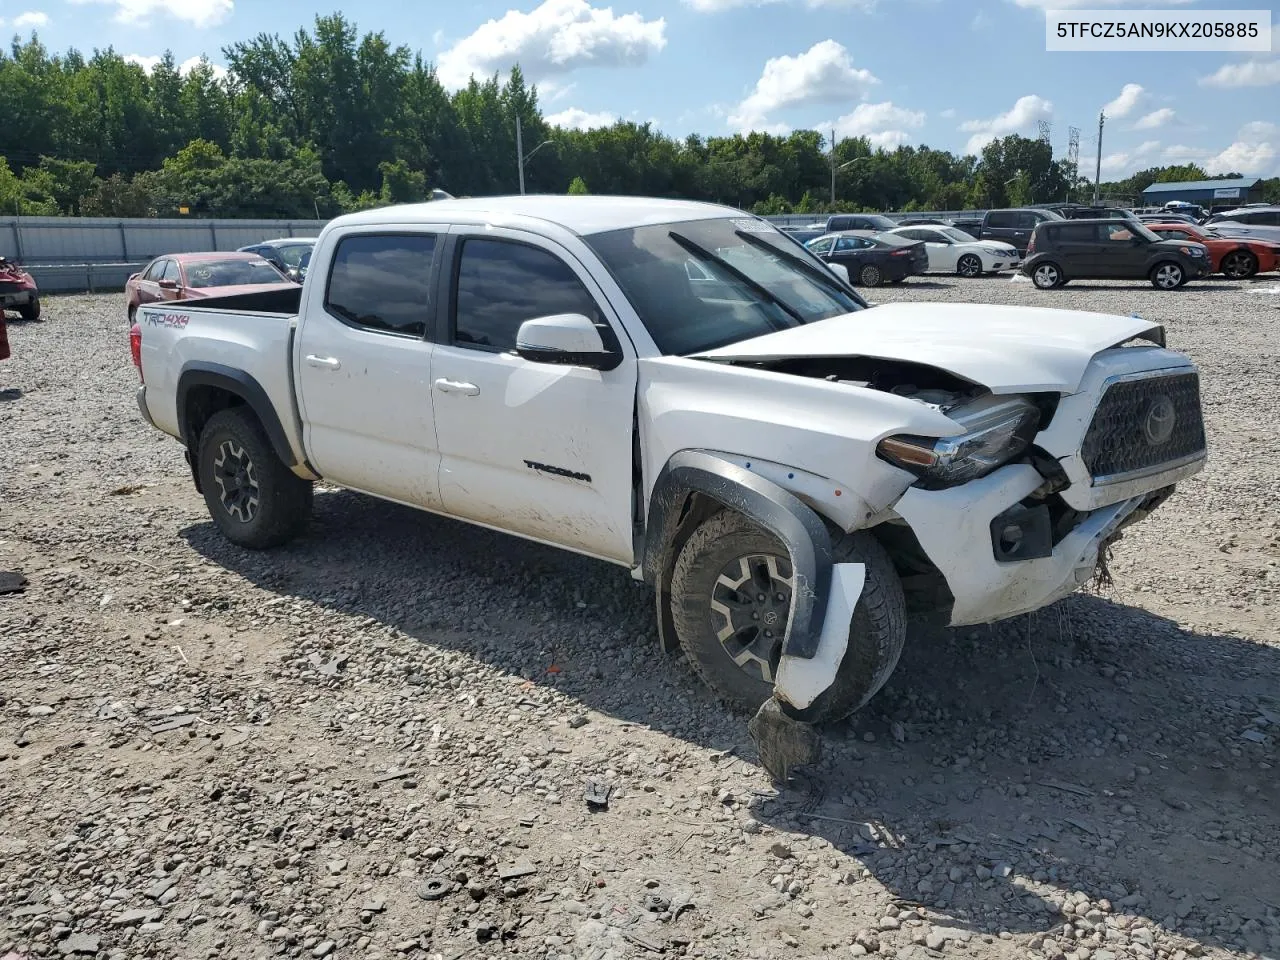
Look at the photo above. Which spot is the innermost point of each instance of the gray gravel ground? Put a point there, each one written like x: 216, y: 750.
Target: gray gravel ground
x: 206, y: 752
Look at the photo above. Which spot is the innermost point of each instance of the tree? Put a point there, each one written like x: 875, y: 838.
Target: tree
x: 578, y: 188
x: 68, y: 182
x: 400, y: 184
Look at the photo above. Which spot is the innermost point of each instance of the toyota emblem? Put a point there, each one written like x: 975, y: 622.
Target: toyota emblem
x: 1159, y: 421
x: 771, y: 618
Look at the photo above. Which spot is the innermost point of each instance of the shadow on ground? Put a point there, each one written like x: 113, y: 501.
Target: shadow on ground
x: 1093, y: 747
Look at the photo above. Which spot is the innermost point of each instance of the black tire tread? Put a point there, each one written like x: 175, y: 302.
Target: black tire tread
x: 880, y: 614
x: 284, y: 498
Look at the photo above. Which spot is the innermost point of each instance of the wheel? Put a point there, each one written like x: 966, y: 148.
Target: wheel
x: 1239, y: 264
x: 255, y: 500
x: 870, y: 276
x: 1167, y: 276
x: 30, y: 312
x: 731, y: 596
x: 970, y: 265
x: 1046, y: 276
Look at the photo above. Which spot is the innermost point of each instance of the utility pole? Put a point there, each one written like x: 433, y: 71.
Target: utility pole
x: 1097, y: 176
x: 520, y: 154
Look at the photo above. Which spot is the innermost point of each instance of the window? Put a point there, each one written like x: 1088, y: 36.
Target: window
x: 1174, y: 234
x: 1028, y: 221
x: 1076, y: 233
x: 822, y: 247
x: 382, y: 282
x: 171, y: 271
x: 849, y: 243
x: 204, y: 274
x: 502, y: 284
x: 155, y: 270
x: 1117, y: 232
x: 1001, y: 218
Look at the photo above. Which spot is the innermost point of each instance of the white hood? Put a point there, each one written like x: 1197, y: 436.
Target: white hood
x: 1006, y: 349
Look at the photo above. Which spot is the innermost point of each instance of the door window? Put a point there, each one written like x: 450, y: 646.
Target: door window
x: 171, y: 271
x: 822, y: 247
x: 382, y: 282
x: 155, y: 271
x: 1027, y: 221
x: 1073, y: 233
x: 501, y: 284
x: 1000, y: 218
x: 851, y: 243
x: 1116, y: 232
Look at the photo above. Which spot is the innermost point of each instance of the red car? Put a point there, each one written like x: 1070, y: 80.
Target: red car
x: 18, y: 291
x: 1237, y: 257
x: 189, y: 276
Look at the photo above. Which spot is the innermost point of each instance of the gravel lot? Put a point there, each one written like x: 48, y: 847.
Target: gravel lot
x: 206, y: 752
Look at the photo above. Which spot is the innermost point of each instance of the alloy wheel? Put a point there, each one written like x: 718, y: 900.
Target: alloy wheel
x: 751, y: 601
x: 1047, y: 276
x: 237, y: 481
x: 1168, y: 276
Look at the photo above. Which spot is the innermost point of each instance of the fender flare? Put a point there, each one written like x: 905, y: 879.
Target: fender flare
x: 201, y: 373
x: 782, y: 513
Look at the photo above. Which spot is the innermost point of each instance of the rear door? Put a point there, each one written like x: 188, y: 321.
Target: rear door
x: 542, y: 450
x: 363, y: 365
x: 1076, y: 248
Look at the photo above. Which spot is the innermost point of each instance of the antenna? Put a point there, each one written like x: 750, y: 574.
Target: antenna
x: 1073, y: 159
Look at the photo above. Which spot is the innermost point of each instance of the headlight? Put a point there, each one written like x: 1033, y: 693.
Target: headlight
x: 996, y: 431
x: 1193, y: 251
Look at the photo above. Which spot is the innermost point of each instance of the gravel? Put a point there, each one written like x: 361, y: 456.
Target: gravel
x: 187, y: 772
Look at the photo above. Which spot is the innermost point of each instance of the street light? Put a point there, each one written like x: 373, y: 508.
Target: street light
x: 835, y: 170
x: 522, y: 158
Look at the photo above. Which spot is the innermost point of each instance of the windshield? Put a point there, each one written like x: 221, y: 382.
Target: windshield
x: 707, y: 283
x: 878, y: 222
x: 231, y: 273
x: 959, y: 236
x: 292, y: 254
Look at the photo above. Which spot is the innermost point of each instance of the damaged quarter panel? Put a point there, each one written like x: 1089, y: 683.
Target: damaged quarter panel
x: 817, y: 438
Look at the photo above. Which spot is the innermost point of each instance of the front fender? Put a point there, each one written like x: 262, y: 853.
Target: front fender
x: 796, y: 525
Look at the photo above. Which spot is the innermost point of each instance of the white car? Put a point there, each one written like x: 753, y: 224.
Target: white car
x: 791, y: 470
x: 951, y: 250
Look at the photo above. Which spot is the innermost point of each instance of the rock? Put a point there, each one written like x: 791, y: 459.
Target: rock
x: 889, y: 923
x: 78, y: 943
x: 132, y: 918
x: 781, y: 851
x: 336, y: 866
x: 40, y: 710
x: 323, y: 948
x: 868, y: 939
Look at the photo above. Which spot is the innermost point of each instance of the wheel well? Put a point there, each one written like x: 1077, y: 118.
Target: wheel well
x: 203, y: 401
x: 923, y: 585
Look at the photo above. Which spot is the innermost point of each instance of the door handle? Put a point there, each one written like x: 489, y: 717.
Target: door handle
x: 324, y: 363
x: 457, y: 386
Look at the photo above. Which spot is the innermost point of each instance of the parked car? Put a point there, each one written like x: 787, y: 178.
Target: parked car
x: 286, y: 254
x: 873, y: 222
x: 18, y: 291
x: 1236, y: 257
x: 766, y: 452
x: 188, y: 276
x: 954, y: 251
x: 923, y: 222
x: 1097, y: 213
x: 1014, y: 226
x: 1168, y: 218
x: 872, y: 259
x: 1260, y: 222
x: 804, y: 234
x: 1068, y: 250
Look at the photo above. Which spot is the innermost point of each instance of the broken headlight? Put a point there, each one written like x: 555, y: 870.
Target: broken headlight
x: 997, y: 429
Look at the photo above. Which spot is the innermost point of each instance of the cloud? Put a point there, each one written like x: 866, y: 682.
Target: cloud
x: 719, y: 6
x: 1027, y: 111
x: 552, y: 39
x: 1155, y: 119
x: 1257, y: 71
x: 551, y: 91
x: 31, y: 18
x: 149, y: 64
x: 883, y: 124
x: 575, y: 119
x: 948, y: 114
x: 1124, y: 162
x: 1097, y: 4
x: 1124, y: 104
x: 198, y: 13
x: 822, y: 74
x: 1254, y: 152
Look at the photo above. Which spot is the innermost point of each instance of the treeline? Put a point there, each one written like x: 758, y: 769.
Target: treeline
x: 332, y: 121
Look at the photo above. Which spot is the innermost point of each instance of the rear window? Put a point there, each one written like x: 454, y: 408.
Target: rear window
x: 382, y: 282
x: 1075, y: 233
x: 204, y: 274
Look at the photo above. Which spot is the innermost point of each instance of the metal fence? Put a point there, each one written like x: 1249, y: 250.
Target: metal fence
x: 67, y: 254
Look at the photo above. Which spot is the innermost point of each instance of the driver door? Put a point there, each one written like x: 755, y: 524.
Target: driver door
x: 536, y: 449
x: 942, y: 252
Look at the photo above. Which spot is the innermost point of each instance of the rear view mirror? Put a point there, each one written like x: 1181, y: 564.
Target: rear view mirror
x: 840, y: 270
x: 568, y: 339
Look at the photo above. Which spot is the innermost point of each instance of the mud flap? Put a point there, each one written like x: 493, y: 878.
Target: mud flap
x: 782, y: 729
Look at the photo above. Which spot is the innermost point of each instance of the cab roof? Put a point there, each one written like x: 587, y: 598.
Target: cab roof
x: 581, y: 215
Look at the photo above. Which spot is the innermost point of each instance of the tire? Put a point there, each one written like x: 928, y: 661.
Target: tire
x: 723, y: 544
x: 1167, y: 275
x: 1047, y: 275
x: 30, y: 312
x: 870, y: 276
x: 969, y: 266
x: 1239, y: 264
x: 253, y: 498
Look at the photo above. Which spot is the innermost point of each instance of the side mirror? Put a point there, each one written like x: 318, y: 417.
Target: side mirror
x: 840, y: 270
x: 168, y: 284
x: 568, y: 339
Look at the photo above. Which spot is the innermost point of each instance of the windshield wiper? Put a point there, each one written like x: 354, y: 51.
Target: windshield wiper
x: 760, y: 289
x: 822, y: 275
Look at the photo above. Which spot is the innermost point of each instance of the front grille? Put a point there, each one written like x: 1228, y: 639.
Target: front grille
x: 1144, y: 425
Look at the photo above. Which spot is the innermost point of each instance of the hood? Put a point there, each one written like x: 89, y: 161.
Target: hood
x: 1004, y: 348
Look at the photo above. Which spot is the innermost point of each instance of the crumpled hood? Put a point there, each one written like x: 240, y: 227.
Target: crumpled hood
x: 1004, y: 348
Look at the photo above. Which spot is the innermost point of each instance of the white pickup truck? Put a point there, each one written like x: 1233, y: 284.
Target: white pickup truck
x: 681, y: 389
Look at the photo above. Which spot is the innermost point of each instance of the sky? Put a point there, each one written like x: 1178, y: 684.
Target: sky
x: 952, y: 74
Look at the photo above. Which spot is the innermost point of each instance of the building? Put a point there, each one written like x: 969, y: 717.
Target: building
x: 1235, y: 192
